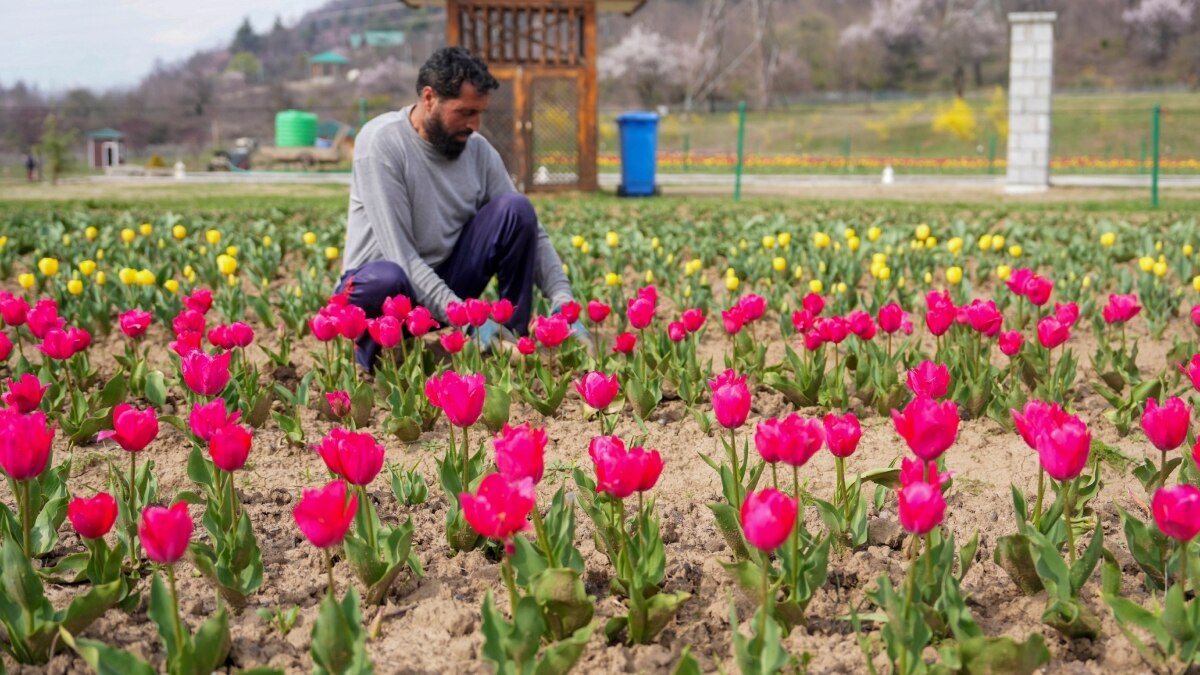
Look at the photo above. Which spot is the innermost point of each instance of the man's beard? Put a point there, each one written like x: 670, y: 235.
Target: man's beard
x: 443, y: 141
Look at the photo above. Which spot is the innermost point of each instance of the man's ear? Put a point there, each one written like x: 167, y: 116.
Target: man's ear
x: 428, y: 98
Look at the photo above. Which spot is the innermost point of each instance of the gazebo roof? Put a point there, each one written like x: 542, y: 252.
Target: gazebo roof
x: 329, y: 57
x: 106, y: 134
x: 626, y: 7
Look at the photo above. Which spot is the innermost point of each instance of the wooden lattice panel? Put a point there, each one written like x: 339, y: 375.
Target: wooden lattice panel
x: 549, y: 34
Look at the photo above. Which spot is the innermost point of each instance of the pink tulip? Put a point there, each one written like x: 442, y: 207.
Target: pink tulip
x: 640, y: 312
x: 941, y: 313
x: 891, y: 317
x: 597, y: 389
x: 420, y: 322
x: 1011, y: 342
x: 324, y: 515
x: 676, y: 331
x: 802, y: 320
x: 624, y: 343
x: 1196, y: 315
x: 920, y: 471
x: 792, y: 440
x: 922, y: 507
x: 323, y: 326
x: 461, y: 397
x: 813, y: 341
x: 25, y: 394
x: 551, y: 330
x: 1029, y: 421
x: 1177, y: 511
x: 733, y: 320
x: 339, y: 402
x: 932, y: 379
x: 927, y: 426
x: 1038, y: 290
x: 57, y: 345
x: 1121, y: 308
x: 1166, y: 426
x: 352, y: 455
x: 753, y: 306
x: 731, y: 399
x: 520, y: 452
x: 650, y: 293
x: 1192, y: 370
x: 165, y: 532
x: 598, y: 311
x: 1067, y: 314
x: 387, y: 331
x: 621, y: 472
x: 456, y: 314
x: 832, y: 329
x: 861, y: 324
x: 526, y: 345
x: 842, y: 434
x: 693, y: 319
x: 1016, y: 280
x: 188, y: 321
x: 1051, y: 332
x: 25, y: 444
x: 206, y: 418
x: 43, y: 318
x: 478, y: 311
x: 134, y: 322
x: 813, y: 304
x: 133, y: 429
x: 80, y: 339
x: 13, y: 309
x: 398, y: 307
x: 570, y: 311
x: 230, y: 446
x: 200, y: 300
x: 1062, y: 446
x: 6, y: 347
x: 206, y: 374
x: 241, y: 334
x: 352, y: 321
x: 502, y: 311
x: 454, y: 342
x: 768, y: 517
x: 93, y: 518
x: 984, y: 317
x: 499, y: 509
x: 185, y: 343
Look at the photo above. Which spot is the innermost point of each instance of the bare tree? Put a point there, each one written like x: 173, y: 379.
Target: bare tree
x: 969, y: 33
x: 1156, y: 25
x: 705, y: 70
x: 902, y: 28
x: 655, y: 64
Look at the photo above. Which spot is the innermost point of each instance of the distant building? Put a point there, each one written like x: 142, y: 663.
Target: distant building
x: 327, y: 64
x: 105, y: 148
x: 377, y: 39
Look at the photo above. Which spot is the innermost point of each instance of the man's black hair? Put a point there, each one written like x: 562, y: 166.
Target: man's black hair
x: 449, y: 67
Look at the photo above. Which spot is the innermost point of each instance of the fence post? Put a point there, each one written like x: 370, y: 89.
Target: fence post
x: 1154, y: 149
x: 687, y: 150
x: 741, y: 144
x: 992, y: 154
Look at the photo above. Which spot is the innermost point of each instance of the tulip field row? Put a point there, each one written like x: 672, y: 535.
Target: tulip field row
x: 764, y: 438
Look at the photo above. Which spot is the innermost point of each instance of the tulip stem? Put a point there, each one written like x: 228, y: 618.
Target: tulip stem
x: 506, y: 571
x: 929, y: 558
x: 329, y: 572
x: 1037, y: 506
x: 766, y: 598
x: 175, y: 610
x: 26, y: 525
x: 1163, y: 483
x: 843, y: 499
x: 132, y: 511
x: 798, y: 527
x: 774, y: 477
x: 368, y: 517
x: 1068, y: 513
x: 540, y: 528
x: 737, y: 477
x: 466, y: 461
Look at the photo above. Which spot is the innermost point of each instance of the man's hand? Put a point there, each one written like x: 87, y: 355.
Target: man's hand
x: 490, y: 334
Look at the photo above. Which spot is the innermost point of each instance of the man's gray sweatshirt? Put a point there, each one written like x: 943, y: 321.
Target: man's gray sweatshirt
x: 408, y: 204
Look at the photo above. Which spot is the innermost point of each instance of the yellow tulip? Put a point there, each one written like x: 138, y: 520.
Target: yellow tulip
x: 1108, y: 239
x: 75, y: 287
x: 885, y: 273
x: 146, y: 278
x: 1187, y: 250
x: 853, y: 243
x: 874, y: 233
x: 100, y: 254
x: 331, y: 253
x: 1158, y: 247
x: 310, y: 238
x: 86, y: 267
x: 797, y: 272
x: 91, y: 233
x: 171, y: 285
x: 231, y: 280
x: 687, y: 291
x: 161, y: 244
x: 213, y: 237
x: 231, y: 251
x: 127, y: 275
x: 127, y: 235
x: 612, y: 239
x: 612, y: 279
x: 931, y: 242
x: 649, y: 276
x: 1003, y: 272
x: 670, y: 258
x: 66, y: 240
x: 922, y: 232
x: 1087, y: 281
x: 849, y: 233
x: 1146, y: 263
x: 566, y: 270
x: 985, y: 242
x: 1196, y: 283
x: 203, y: 251
x: 785, y: 239
x: 48, y: 266
x: 585, y: 248
x: 655, y: 243
x: 146, y: 229
x: 779, y: 264
x: 1160, y: 269
x: 1015, y: 250
x: 954, y: 275
x: 841, y: 287
x: 954, y: 245
x: 816, y: 286
x: 901, y: 283
x: 821, y: 240
x: 743, y: 244
x: 26, y: 280
x: 929, y: 277
x: 179, y: 232
x: 267, y: 240
x: 768, y: 241
x: 227, y: 264
x: 732, y: 282
x: 101, y: 278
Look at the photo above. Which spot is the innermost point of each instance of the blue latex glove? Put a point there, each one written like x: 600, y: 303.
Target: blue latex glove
x: 489, y: 335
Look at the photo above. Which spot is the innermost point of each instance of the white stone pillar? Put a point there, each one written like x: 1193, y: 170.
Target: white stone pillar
x: 1030, y: 87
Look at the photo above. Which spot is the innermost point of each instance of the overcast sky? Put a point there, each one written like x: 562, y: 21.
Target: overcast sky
x: 58, y: 44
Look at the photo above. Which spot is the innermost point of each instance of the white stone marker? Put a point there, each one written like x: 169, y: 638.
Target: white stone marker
x: 1030, y: 87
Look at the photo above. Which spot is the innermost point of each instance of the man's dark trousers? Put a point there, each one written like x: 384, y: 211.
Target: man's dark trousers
x: 500, y: 240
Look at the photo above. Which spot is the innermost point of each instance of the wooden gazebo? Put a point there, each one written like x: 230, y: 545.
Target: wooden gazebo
x: 542, y: 120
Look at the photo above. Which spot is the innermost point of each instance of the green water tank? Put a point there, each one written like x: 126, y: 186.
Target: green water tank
x: 295, y: 129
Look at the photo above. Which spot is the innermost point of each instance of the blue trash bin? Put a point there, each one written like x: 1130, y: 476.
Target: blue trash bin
x: 639, y: 147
